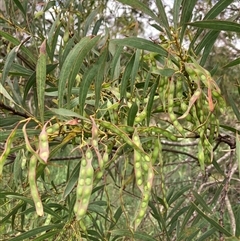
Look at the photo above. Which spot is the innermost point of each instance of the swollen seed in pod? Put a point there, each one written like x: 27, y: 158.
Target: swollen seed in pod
x: 105, y: 157
x: 137, y: 156
x: 144, y: 204
x: 99, y: 175
x: 145, y: 166
x: 81, y: 212
x: 137, y: 164
x: 172, y: 116
x: 84, y: 162
x: 89, y: 172
x: 178, y: 126
x: 170, y: 109
x: 81, y: 182
x: 141, y: 213
x: 87, y: 192
x: 146, y: 197
x: 85, y: 201
x: 203, y: 77
x: 79, y: 191
x: 138, y: 174
x: 43, y: 137
x: 95, y: 143
x: 50, y: 130
x: 139, y: 182
x: 89, y: 154
x: 147, y: 159
x: 184, y: 106
x: 136, y: 139
x: 88, y: 181
x: 170, y: 102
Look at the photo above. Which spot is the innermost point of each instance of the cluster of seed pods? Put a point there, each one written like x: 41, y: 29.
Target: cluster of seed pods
x: 203, y: 105
x: 85, y: 184
x: 144, y: 178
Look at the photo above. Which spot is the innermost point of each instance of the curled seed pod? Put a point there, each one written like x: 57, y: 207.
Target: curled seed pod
x: 33, y: 185
x: 7, y: 148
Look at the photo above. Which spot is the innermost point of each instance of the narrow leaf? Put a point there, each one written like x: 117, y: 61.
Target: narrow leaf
x: 187, y: 10
x: 151, y: 99
x: 35, y: 231
x: 232, y: 63
x: 141, y: 43
x: 200, y: 200
x: 7, y: 148
x: 212, y: 221
x: 176, y: 12
x: 218, y: 25
x: 8, y: 63
x: 126, y: 77
x: 87, y: 79
x: 68, y: 113
x: 238, y: 152
x: 72, y: 180
x: 132, y: 114
x: 41, y: 79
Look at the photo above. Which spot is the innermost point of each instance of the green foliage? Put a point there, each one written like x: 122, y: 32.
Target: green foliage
x: 115, y: 139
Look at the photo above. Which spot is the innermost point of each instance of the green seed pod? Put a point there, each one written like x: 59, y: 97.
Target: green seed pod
x: 33, y: 185
x: 88, y: 181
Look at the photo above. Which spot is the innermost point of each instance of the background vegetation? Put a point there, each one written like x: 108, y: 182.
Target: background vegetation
x: 119, y: 120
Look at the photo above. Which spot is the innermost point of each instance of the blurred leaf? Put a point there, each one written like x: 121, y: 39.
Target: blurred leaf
x: 20, y: 7
x: 176, y: 12
x: 187, y: 11
x: 8, y: 63
x: 16, y: 42
x: 71, y: 67
x: 232, y: 103
x: 137, y: 235
x: 47, y: 235
x: 178, y: 194
x: 32, y: 79
x: 218, y: 25
x: 87, y: 80
x: 163, y: 19
x: 132, y: 114
x: 72, y: 181
x: 212, y: 221
x: 207, y: 234
x: 151, y: 99
x: 141, y: 43
x: 200, y: 200
x: 89, y: 20
x: 100, y: 75
x: 212, y: 13
x: 135, y: 70
x: 35, y: 231
x: 126, y: 77
x: 136, y: 4
x: 41, y: 79
x: 207, y: 42
x: 232, y: 63
x: 238, y: 151
x: 68, y: 113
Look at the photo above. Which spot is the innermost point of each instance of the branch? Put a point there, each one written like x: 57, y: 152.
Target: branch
x: 15, y: 112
